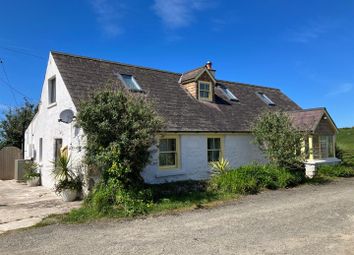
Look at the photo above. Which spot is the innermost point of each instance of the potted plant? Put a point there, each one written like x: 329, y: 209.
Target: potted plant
x: 31, y: 175
x: 68, y: 184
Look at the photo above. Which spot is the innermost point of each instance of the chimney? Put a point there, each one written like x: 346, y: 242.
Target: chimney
x: 209, y: 66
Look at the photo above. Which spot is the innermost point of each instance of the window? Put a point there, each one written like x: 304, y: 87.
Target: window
x: 205, y: 91
x: 168, y: 152
x: 265, y: 98
x: 40, y: 146
x: 326, y: 147
x: 130, y: 82
x: 58, y: 143
x: 214, y: 149
x: 228, y: 93
x: 52, y: 93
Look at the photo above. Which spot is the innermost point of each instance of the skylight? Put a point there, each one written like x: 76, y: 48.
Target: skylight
x: 265, y: 98
x: 130, y: 82
x: 228, y: 93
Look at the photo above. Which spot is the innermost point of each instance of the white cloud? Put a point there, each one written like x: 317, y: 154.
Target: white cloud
x: 109, y: 14
x: 312, y: 31
x: 179, y: 13
x: 341, y: 89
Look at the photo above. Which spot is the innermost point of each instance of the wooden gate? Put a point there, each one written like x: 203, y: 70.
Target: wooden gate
x: 8, y: 155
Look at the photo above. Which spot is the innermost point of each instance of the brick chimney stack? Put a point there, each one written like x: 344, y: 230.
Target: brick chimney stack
x: 209, y: 66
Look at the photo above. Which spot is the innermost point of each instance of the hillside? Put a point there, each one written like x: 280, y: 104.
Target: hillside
x: 345, y: 142
x: 345, y: 138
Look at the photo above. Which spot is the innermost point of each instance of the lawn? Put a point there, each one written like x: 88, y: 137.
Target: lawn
x: 345, y: 142
x: 345, y: 138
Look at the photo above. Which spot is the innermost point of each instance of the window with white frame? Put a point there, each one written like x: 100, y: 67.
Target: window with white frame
x: 214, y: 149
x: 52, y: 90
x: 168, y: 152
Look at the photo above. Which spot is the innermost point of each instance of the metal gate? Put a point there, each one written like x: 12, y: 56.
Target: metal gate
x: 8, y: 155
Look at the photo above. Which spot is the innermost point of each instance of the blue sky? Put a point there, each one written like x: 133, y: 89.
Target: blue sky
x: 305, y: 48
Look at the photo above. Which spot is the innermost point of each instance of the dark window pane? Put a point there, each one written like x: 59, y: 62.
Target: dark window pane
x: 167, y: 159
x: 163, y: 146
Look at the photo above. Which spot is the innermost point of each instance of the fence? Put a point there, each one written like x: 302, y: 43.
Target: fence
x: 8, y: 155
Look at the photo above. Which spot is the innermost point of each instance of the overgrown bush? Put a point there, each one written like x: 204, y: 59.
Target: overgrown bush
x: 120, y: 128
x: 112, y: 196
x: 252, y: 178
x: 335, y: 171
x: 279, y: 139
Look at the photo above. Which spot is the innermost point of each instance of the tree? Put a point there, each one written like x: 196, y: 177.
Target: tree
x: 15, y: 123
x: 279, y: 139
x: 120, y: 128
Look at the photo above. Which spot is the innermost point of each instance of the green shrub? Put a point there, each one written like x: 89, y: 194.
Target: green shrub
x: 280, y: 141
x: 252, y: 178
x: 120, y: 128
x: 112, y: 197
x: 31, y: 169
x: 220, y: 166
x: 335, y: 171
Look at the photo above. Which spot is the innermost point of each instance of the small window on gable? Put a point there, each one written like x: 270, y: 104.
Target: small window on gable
x: 228, y: 93
x: 130, y: 82
x: 205, y: 91
x: 265, y: 98
x: 52, y: 90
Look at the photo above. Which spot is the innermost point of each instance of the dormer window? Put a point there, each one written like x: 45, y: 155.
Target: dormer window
x: 130, y: 82
x: 205, y: 90
x: 52, y: 90
x: 265, y: 99
x: 228, y: 93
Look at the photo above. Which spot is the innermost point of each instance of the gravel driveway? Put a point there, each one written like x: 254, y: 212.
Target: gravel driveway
x: 305, y: 220
x: 22, y: 206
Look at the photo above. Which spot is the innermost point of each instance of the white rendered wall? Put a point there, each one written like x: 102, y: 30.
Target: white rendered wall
x: 238, y: 150
x: 45, y: 125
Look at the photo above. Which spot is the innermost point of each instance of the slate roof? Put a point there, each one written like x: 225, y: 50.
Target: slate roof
x: 308, y: 119
x: 192, y: 74
x: 182, y: 112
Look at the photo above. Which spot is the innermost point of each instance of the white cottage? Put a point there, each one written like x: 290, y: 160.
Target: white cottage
x: 205, y: 118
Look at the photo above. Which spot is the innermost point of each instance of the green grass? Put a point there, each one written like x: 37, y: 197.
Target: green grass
x: 345, y: 144
x: 190, y: 195
x: 335, y: 171
x: 345, y: 139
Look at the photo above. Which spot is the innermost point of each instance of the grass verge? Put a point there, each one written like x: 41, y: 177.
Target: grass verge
x: 190, y: 195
